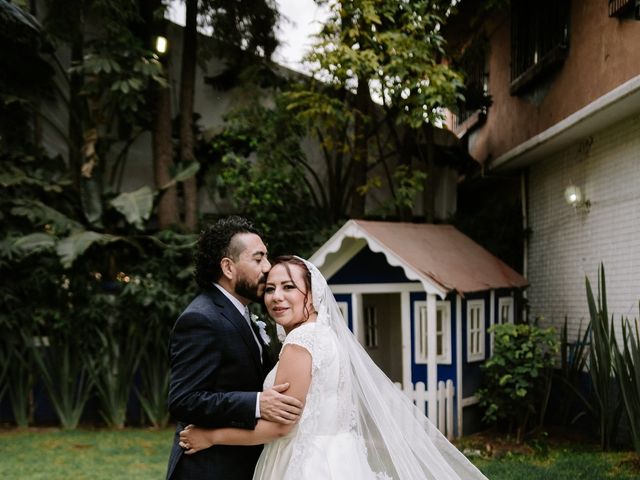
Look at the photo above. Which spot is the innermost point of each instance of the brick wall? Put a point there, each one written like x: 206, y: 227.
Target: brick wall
x: 566, y: 244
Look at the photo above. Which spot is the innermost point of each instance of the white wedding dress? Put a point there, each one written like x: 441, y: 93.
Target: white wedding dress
x: 356, y: 425
x: 333, y: 450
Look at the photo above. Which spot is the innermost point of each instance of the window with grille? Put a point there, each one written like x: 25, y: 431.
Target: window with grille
x: 475, y: 330
x: 371, y: 327
x: 473, y: 65
x: 539, y: 39
x: 624, y: 8
x: 443, y: 332
x: 505, y: 309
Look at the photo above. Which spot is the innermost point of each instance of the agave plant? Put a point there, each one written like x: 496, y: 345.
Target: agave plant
x: 113, y: 368
x: 627, y: 366
x: 573, y: 365
x: 62, y: 366
x: 607, y: 407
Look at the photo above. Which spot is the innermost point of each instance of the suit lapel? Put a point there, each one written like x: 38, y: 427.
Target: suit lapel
x: 235, y: 318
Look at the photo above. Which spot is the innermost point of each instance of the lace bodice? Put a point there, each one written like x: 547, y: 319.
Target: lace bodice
x: 329, y: 388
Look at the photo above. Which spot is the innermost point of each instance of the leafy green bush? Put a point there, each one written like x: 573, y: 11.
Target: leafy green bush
x: 76, y: 297
x: 517, y: 377
x: 262, y: 169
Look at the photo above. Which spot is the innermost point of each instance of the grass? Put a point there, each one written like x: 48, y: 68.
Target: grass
x: 54, y: 454
x: 562, y: 465
x: 102, y: 454
x: 548, y: 459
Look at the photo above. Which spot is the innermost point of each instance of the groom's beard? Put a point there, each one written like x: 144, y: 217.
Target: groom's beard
x: 252, y: 291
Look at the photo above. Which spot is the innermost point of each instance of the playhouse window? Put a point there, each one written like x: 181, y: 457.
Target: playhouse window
x: 475, y: 330
x: 505, y: 307
x: 443, y: 333
x: 370, y: 327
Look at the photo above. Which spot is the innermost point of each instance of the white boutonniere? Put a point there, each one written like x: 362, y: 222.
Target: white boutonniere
x: 261, y: 329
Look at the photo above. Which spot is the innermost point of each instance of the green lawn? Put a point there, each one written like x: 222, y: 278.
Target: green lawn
x: 563, y: 464
x: 142, y: 454
x: 84, y: 454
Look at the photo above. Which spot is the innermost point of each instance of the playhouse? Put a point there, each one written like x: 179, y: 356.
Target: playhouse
x: 421, y: 298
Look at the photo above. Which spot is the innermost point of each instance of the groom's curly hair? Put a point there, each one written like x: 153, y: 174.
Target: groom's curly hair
x: 214, y: 244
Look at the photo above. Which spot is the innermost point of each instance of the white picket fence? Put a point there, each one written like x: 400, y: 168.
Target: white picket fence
x: 418, y: 394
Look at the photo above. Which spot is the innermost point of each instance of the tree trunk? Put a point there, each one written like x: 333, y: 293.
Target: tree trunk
x: 76, y: 104
x: 163, y: 158
x: 187, y: 87
x: 361, y: 151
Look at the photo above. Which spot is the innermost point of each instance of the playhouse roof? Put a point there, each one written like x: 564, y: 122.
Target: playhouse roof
x: 439, y: 256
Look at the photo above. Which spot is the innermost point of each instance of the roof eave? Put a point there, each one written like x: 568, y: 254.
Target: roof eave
x: 353, y: 230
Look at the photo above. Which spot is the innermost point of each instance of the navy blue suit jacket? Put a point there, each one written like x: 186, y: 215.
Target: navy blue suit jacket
x: 215, y: 371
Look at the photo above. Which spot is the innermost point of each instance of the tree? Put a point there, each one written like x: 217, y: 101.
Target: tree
x: 244, y: 34
x: 187, y: 90
x: 379, y: 81
x: 67, y: 238
x: 261, y: 167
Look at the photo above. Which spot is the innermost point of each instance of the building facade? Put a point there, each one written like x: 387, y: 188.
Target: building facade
x: 560, y: 82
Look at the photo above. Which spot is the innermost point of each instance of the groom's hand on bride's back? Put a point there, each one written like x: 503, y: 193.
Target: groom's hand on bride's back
x: 279, y: 408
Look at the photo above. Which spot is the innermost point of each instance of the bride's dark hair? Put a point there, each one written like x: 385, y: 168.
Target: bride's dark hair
x: 286, y: 261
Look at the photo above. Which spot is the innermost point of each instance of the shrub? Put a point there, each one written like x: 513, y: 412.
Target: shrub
x: 518, y: 376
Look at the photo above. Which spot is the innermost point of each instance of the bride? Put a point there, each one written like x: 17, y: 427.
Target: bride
x: 356, y: 424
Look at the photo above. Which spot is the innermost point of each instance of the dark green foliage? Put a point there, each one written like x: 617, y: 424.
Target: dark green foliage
x: 113, y: 367
x: 517, y: 377
x: 627, y: 366
x: 62, y: 366
x: 90, y: 286
x: 496, y: 221
x: 242, y: 28
x: 614, y: 368
x: 573, y: 358
x: 606, y: 406
x: 261, y: 167
x: 24, y: 48
x: 19, y: 377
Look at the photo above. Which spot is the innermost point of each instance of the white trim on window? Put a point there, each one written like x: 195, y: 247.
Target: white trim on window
x: 443, y: 332
x: 475, y: 331
x: 505, y: 310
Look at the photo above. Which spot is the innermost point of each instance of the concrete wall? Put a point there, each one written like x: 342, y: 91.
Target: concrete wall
x: 566, y: 244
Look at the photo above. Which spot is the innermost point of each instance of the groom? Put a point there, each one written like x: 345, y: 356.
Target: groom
x: 218, y: 360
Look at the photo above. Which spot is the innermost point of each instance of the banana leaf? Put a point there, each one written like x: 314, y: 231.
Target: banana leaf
x: 136, y: 206
x: 70, y: 248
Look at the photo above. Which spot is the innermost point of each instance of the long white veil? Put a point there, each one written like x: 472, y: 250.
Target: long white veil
x: 400, y: 442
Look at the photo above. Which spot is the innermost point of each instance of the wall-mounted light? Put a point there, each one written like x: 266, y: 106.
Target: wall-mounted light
x: 161, y: 44
x: 573, y: 196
